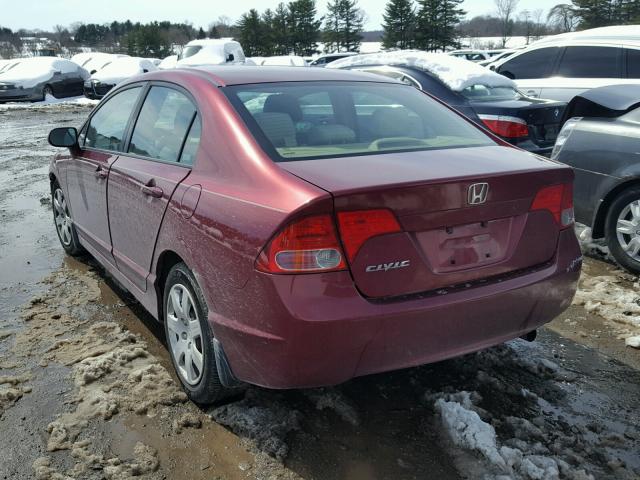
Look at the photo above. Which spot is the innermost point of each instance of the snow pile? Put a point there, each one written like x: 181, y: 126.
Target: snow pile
x: 170, y: 62
x: 589, y: 246
x: 122, y: 68
x: 50, y: 102
x: 456, y: 73
x: 333, y: 399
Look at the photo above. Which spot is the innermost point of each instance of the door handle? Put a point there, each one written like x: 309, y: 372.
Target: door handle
x: 101, y: 173
x: 152, y: 191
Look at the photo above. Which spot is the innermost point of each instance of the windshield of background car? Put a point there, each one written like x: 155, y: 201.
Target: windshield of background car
x: 190, y: 51
x: 482, y: 92
x: 313, y: 120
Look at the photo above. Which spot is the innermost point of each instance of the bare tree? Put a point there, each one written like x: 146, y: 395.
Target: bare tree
x: 525, y: 17
x: 506, y: 12
x: 539, y: 26
x: 563, y: 17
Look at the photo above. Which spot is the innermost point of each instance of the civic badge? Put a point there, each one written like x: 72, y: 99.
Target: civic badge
x: 477, y: 193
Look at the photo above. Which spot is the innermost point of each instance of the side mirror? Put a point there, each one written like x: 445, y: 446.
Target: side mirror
x: 63, y: 137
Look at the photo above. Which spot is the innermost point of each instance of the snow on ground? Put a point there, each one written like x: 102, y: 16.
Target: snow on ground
x: 615, y: 296
x: 456, y: 73
x: 49, y: 102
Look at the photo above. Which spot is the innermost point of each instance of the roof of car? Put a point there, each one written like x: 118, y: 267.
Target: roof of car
x: 225, y: 75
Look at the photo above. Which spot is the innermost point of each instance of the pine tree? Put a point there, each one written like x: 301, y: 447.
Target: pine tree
x: 201, y: 34
x: 343, y: 26
x: 597, y: 13
x: 436, y: 23
x: 304, y: 28
x: 280, y: 30
x: 268, y: 42
x: 250, y: 33
x: 399, y: 24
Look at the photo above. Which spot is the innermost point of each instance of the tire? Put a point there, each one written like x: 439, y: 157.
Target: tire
x: 190, y: 339
x: 625, y: 247
x: 47, y: 90
x: 63, y: 222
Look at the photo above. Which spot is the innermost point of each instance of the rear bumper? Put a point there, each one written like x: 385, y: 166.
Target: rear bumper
x: 317, y: 330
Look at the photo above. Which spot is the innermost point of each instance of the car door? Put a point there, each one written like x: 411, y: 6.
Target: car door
x: 530, y: 70
x: 101, y: 141
x: 142, y: 181
x: 581, y: 68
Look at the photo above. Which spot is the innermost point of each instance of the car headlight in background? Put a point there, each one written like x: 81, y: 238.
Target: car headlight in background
x: 6, y: 86
x: 564, y: 134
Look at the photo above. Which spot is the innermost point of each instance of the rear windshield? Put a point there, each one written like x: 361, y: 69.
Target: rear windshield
x: 312, y: 120
x: 482, y: 92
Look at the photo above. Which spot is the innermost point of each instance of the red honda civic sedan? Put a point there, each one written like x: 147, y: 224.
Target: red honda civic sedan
x: 298, y: 227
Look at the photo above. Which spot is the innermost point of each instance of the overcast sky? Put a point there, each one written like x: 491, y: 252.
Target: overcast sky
x: 44, y: 14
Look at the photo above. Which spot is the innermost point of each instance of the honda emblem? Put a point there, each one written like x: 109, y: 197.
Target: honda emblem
x: 477, y: 193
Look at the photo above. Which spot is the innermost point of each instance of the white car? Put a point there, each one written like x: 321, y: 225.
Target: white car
x: 116, y: 71
x: 211, y: 52
x: 564, y: 66
x: 93, y: 62
x: 471, y: 55
x: 327, y: 58
x: 282, y: 61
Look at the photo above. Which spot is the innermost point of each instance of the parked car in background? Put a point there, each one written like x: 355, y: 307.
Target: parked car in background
x: 491, y: 61
x: 325, y: 59
x: 211, y: 52
x: 471, y: 55
x: 303, y: 240
x: 563, y: 67
x: 601, y: 141
x: 93, y: 62
x: 115, y: 72
x: 34, y: 78
x: 489, y: 99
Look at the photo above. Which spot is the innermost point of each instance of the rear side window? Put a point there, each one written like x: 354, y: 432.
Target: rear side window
x: 162, y: 124
x: 315, y: 120
x: 107, y: 127
x: 633, y: 63
x: 534, y: 64
x: 590, y: 62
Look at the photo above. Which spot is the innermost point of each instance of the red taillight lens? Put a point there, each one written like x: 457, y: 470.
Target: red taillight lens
x: 358, y: 226
x: 557, y: 199
x: 505, y: 126
x: 306, y: 245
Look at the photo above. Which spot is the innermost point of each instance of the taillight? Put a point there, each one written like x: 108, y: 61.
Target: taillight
x: 306, y: 245
x: 358, y: 226
x: 557, y: 199
x: 505, y: 126
x: 563, y: 136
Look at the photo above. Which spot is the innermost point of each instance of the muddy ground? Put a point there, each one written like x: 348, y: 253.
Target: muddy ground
x: 87, y: 390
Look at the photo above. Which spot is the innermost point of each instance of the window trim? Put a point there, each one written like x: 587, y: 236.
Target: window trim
x: 133, y: 118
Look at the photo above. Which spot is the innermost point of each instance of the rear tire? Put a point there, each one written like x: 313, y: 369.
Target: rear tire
x: 63, y: 222
x: 622, y: 229
x: 190, y: 339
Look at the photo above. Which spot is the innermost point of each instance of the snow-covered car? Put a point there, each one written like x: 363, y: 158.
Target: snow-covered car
x: 32, y: 79
x: 209, y: 51
x: 116, y: 71
x: 324, y: 60
x: 490, y: 100
x: 471, y: 55
x: 168, y: 62
x: 282, y: 61
x: 93, y: 62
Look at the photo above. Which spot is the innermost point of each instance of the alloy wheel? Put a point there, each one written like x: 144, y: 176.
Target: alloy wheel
x: 628, y: 229
x: 62, y: 217
x: 185, y: 334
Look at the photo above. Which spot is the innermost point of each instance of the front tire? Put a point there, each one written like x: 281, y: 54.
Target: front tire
x: 622, y: 229
x: 47, y: 90
x: 190, y: 339
x: 63, y: 222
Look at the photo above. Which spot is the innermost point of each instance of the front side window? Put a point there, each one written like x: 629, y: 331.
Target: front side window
x: 107, y: 127
x: 317, y: 120
x: 590, y: 62
x: 535, y: 64
x: 164, y: 120
x: 633, y: 63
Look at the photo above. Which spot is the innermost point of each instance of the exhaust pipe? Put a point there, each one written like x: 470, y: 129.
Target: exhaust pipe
x: 531, y: 336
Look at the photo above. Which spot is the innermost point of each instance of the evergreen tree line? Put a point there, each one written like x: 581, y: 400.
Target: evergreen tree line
x: 585, y: 14
x: 294, y: 28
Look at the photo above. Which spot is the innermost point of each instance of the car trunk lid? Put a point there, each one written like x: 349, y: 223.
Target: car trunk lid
x: 445, y: 238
